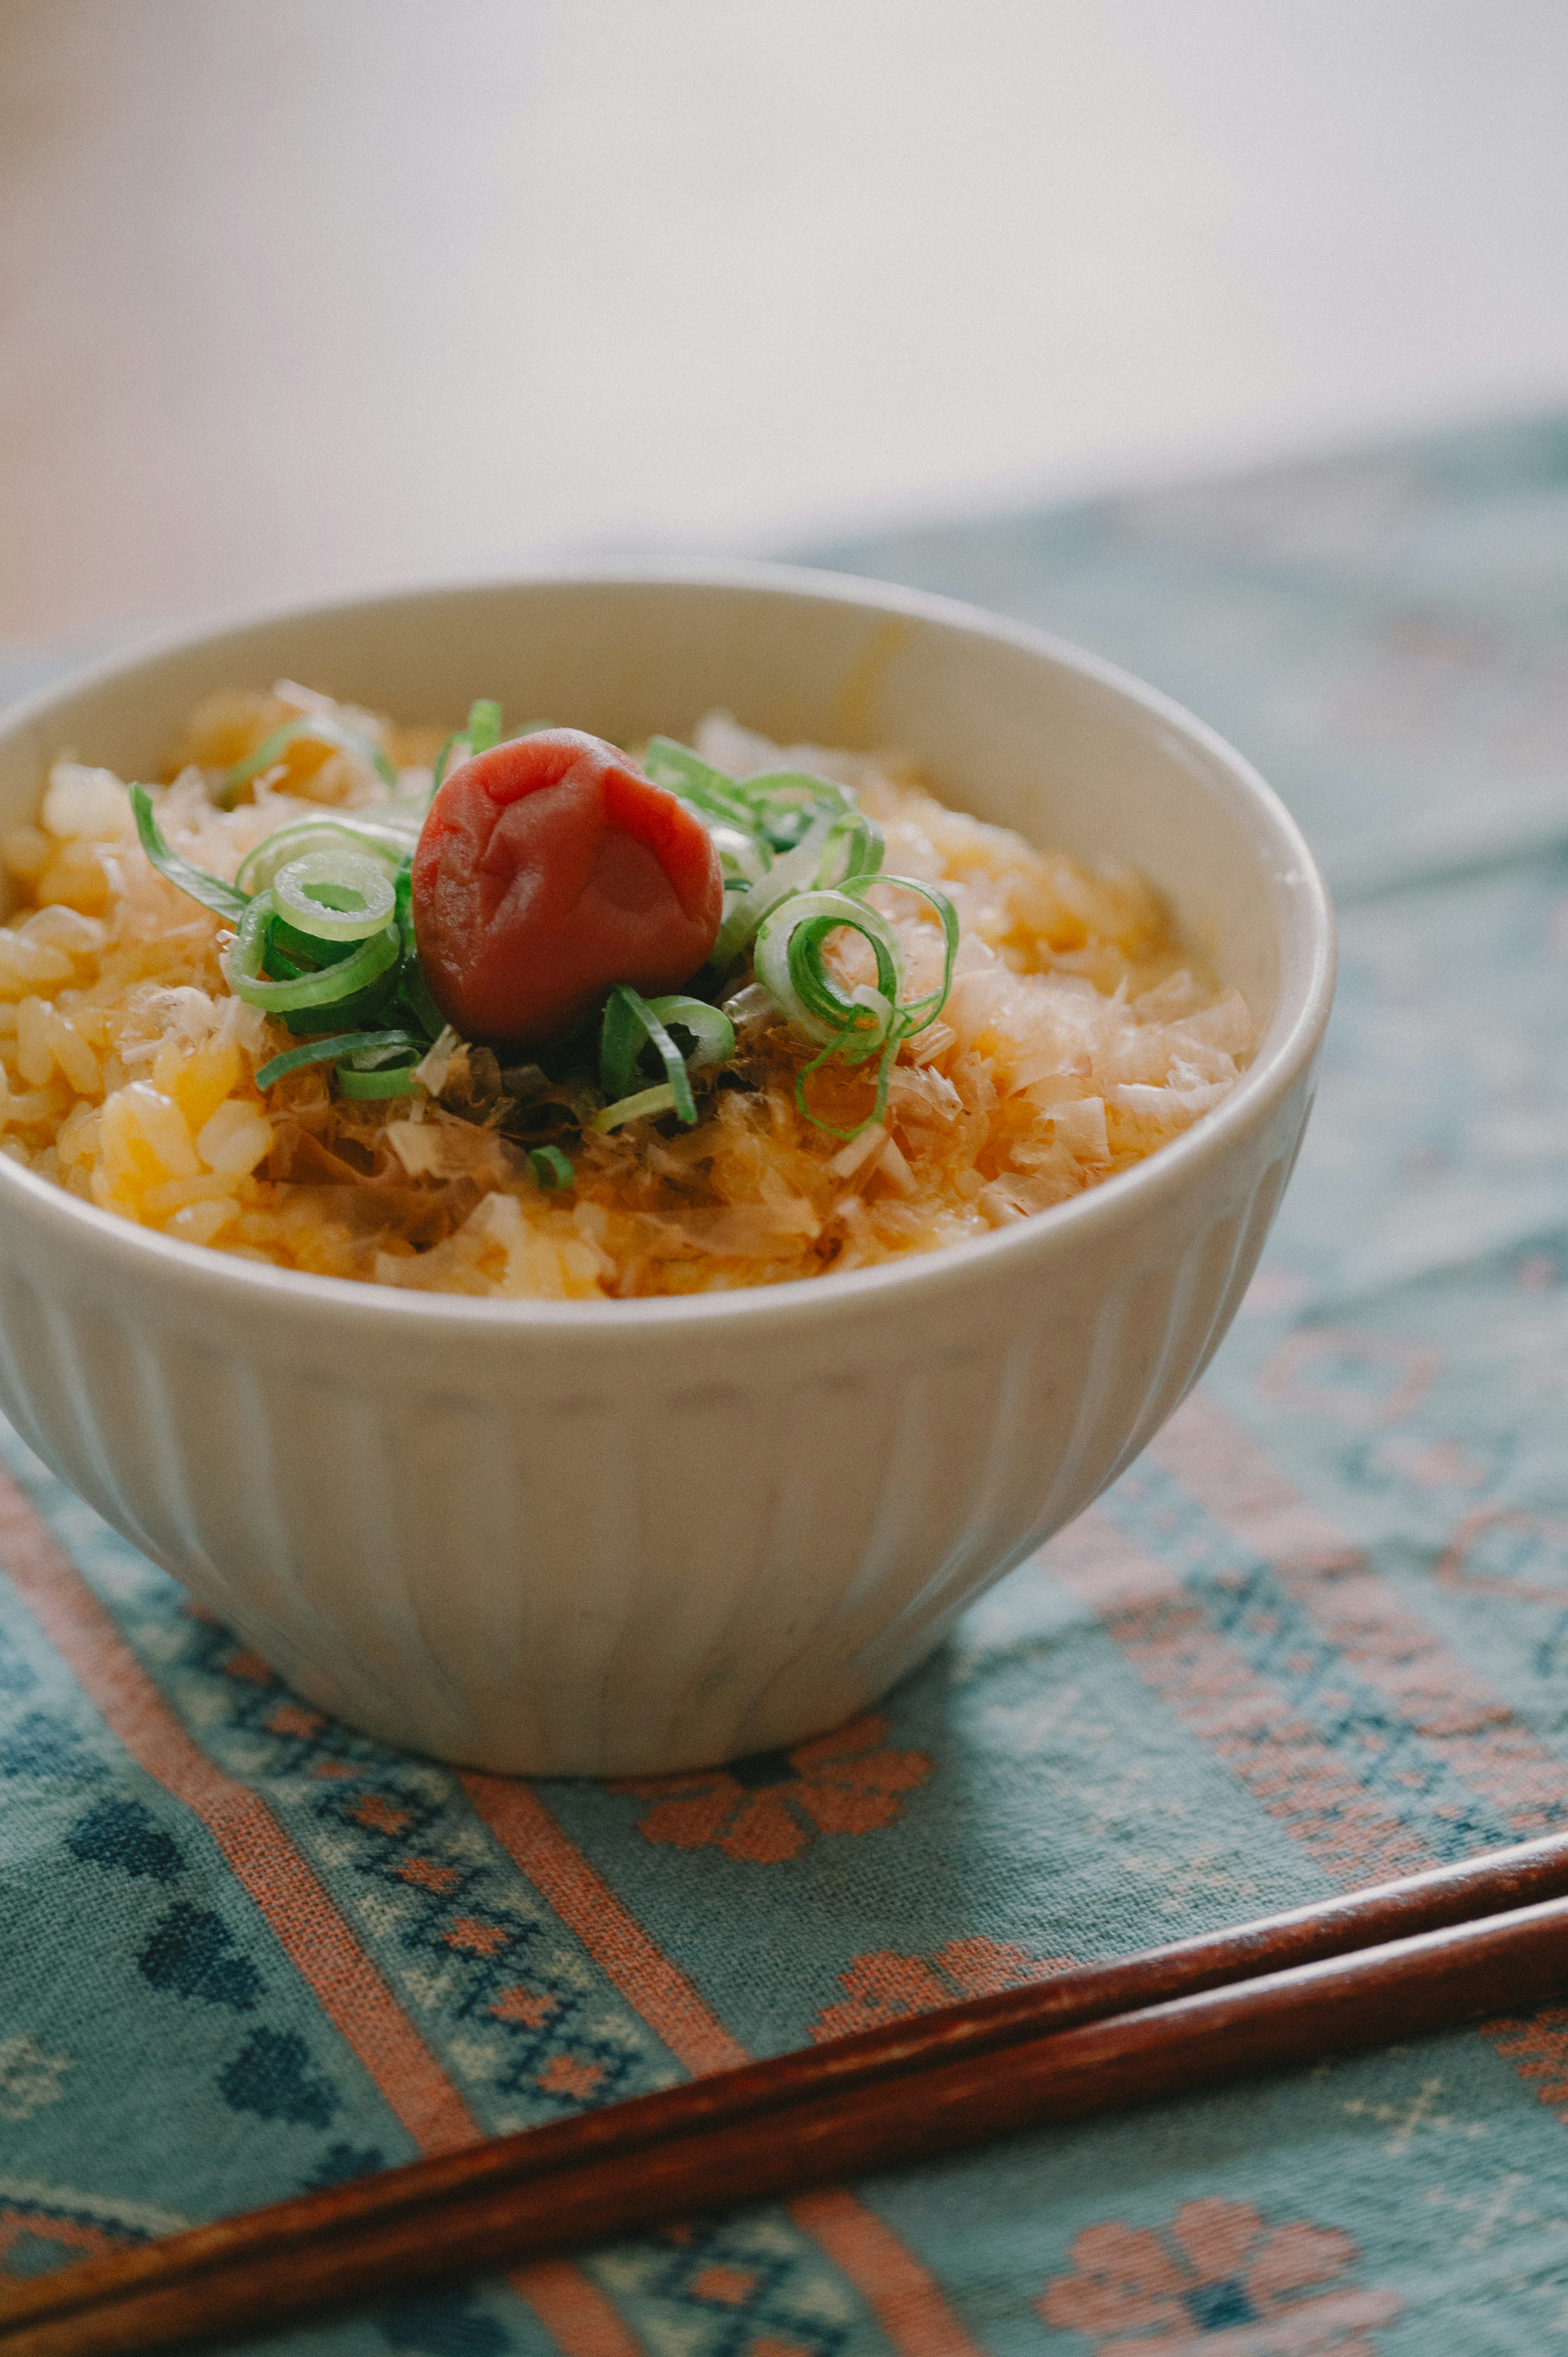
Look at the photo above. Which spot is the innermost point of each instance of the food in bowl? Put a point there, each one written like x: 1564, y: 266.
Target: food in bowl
x: 628, y: 1538
x: 528, y: 1016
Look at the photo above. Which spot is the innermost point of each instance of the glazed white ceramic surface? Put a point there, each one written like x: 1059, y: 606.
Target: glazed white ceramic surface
x: 585, y: 1538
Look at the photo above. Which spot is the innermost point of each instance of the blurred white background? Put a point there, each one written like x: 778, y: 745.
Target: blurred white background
x: 305, y: 293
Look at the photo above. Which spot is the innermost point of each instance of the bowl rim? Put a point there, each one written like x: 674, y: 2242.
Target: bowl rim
x: 1266, y: 1081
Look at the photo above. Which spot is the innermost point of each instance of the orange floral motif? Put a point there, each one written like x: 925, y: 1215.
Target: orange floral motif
x: 34, y: 2241
x: 378, y: 1815
x: 883, y: 1986
x: 292, y: 1718
x: 476, y: 1939
x: 732, y: 2286
x: 522, y: 2005
x: 1215, y: 2283
x: 1537, y: 2046
x: 567, y: 2074
x: 426, y: 1874
x: 771, y: 1806
x: 248, y: 1663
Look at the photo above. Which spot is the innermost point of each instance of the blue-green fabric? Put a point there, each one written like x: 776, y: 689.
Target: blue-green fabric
x: 1318, y: 1634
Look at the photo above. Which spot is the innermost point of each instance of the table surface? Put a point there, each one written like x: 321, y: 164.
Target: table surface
x: 1317, y: 1635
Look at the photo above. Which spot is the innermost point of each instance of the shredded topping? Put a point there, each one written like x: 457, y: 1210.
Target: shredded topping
x: 911, y: 1027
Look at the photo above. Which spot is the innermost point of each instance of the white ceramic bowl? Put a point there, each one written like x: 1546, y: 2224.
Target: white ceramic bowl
x: 567, y: 1538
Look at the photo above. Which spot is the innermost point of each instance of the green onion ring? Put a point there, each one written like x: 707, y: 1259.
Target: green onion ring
x: 790, y: 963
x: 627, y: 1014
x: 551, y: 1166
x: 301, y: 890
x: 681, y: 771
x: 644, y: 1105
x: 342, y: 831
x: 323, y: 989
x: 397, y: 1082
x: 797, y: 871
x: 934, y: 1000
x: 279, y: 965
x: 784, y: 803
x: 327, y: 1051
x: 744, y: 857
x: 628, y: 1020
x: 712, y: 1030
x: 863, y: 846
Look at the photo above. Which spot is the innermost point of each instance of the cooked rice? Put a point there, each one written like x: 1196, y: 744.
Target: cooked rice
x: 1079, y: 1036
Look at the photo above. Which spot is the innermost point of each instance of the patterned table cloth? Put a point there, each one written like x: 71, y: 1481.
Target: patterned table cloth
x: 1318, y: 1636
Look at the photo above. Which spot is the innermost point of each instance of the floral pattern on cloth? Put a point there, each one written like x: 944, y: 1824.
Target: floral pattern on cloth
x: 883, y: 1986
x: 1315, y: 1637
x: 36, y: 2237
x: 772, y: 1806
x: 1217, y: 2282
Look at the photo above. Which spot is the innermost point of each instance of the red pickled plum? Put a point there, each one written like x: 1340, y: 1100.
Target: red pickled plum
x: 548, y: 869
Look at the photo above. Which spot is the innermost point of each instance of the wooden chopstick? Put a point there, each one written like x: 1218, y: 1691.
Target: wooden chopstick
x: 1485, y: 1937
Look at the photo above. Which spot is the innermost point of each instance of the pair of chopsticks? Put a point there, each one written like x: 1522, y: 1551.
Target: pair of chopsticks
x: 1484, y: 1938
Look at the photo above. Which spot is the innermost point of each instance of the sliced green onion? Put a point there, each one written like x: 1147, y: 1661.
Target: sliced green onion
x: 620, y: 1037
x: 712, y: 1030
x: 305, y: 951
x: 333, y: 983
x: 385, y: 1047
x: 399, y: 1082
x: 677, y: 768
x: 784, y: 804
x: 415, y: 993
x: 797, y: 871
x: 867, y: 1021
x: 928, y: 1007
x: 315, y: 728
x: 277, y: 961
x: 484, y: 725
x: 388, y: 1066
x: 225, y: 900
x: 776, y: 810
x: 855, y: 848
x: 343, y: 831
x: 647, y: 1103
x: 317, y: 895
x: 790, y: 966
x: 411, y: 987
x: 327, y: 1051
x: 374, y: 1008
x: 367, y: 1010
x: 551, y: 1166
x: 745, y: 858
x: 628, y: 1020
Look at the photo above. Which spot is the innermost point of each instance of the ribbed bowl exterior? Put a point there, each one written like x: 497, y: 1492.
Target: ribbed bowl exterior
x: 526, y: 1556
x: 630, y: 1538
